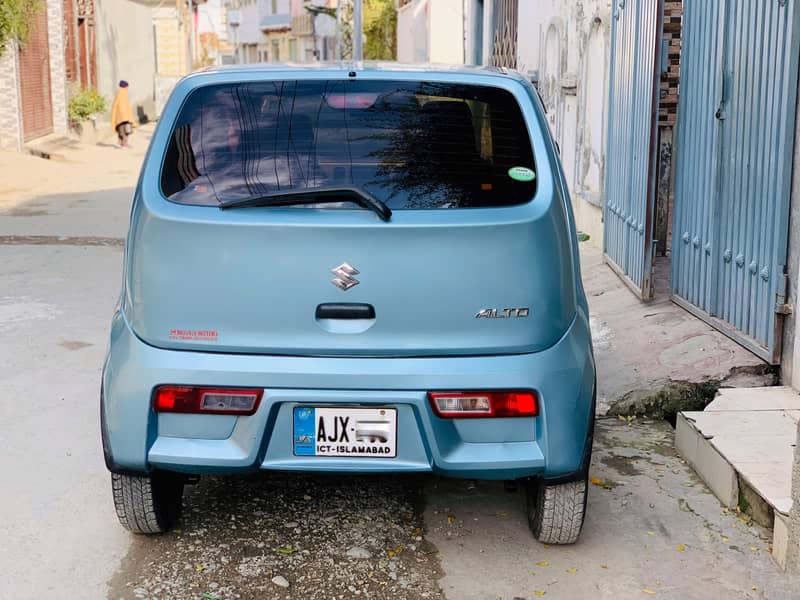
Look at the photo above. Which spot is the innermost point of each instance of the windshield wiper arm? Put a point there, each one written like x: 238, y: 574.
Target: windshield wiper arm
x: 312, y: 196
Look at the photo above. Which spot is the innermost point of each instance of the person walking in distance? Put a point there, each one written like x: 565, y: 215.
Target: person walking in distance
x: 122, y: 118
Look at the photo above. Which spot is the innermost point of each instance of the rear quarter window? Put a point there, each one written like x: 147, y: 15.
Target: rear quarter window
x: 413, y: 145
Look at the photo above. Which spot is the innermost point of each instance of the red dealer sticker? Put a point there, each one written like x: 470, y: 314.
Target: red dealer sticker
x: 194, y: 335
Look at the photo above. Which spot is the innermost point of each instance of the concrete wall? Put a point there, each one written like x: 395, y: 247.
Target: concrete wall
x: 412, y: 32
x: 568, y: 43
x: 790, y: 360
x: 126, y: 50
x: 431, y: 31
x: 10, y: 110
x: 446, y: 33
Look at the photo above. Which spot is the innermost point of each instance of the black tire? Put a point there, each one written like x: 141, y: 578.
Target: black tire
x: 147, y: 503
x: 556, y: 511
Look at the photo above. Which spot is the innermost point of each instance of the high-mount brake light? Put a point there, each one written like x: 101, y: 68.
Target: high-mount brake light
x: 351, y: 100
x: 206, y: 400
x: 487, y: 404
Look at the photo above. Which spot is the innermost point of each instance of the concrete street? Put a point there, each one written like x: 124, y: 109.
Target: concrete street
x: 653, y: 529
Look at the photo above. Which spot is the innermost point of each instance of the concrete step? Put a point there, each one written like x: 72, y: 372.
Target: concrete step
x: 742, y: 444
x: 52, y: 147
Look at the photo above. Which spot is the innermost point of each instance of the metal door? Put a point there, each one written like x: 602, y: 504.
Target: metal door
x: 34, y: 76
x: 734, y: 146
x: 631, y: 150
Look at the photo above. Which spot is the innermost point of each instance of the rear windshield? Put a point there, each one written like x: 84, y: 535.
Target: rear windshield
x: 413, y: 145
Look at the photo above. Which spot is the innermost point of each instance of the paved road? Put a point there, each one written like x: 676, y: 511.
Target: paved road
x: 652, y: 528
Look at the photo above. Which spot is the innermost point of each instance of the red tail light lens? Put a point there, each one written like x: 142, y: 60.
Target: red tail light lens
x: 484, y: 404
x: 206, y: 400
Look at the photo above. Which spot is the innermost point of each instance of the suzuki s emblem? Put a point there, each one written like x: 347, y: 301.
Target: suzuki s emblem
x: 344, y: 279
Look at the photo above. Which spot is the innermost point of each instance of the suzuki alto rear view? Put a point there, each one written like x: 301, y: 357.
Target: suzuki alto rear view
x: 351, y: 270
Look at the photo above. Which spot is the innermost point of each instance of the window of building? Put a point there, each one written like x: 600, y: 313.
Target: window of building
x: 276, y: 50
x: 293, y: 50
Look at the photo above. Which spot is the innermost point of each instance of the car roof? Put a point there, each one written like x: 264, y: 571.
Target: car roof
x: 365, y: 67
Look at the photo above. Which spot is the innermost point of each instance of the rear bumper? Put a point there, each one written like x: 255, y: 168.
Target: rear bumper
x: 135, y: 439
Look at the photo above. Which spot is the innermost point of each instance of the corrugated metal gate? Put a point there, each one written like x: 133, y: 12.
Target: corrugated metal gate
x: 736, y: 118
x: 34, y: 77
x: 631, y: 152
x: 504, y: 46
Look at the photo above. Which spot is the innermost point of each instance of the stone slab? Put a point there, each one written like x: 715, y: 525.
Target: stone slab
x: 761, y: 398
x: 706, y: 460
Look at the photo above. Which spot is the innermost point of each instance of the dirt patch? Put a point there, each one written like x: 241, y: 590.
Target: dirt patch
x: 623, y: 465
x: 666, y: 399
x: 326, y: 537
x: 74, y: 344
x: 60, y: 240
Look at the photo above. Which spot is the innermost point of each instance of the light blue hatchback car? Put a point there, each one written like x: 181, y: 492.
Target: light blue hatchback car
x: 351, y: 270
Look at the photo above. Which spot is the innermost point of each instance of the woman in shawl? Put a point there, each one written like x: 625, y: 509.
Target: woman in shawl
x: 122, y: 115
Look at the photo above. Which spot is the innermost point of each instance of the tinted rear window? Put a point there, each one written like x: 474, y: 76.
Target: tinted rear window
x: 410, y: 144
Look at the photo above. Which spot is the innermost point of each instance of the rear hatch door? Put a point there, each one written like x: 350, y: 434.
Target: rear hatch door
x: 475, y: 259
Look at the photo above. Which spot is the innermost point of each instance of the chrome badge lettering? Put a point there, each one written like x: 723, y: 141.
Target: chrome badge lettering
x: 506, y: 313
x: 345, y: 279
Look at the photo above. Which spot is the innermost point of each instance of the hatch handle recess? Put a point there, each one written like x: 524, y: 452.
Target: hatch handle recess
x: 345, y: 310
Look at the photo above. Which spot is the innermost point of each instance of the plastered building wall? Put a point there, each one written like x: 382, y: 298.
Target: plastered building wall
x: 431, y: 31
x: 126, y: 50
x: 566, y: 46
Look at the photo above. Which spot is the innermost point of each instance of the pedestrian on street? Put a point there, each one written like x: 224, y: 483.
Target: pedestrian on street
x: 122, y: 115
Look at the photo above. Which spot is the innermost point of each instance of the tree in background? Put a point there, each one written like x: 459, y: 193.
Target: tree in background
x: 16, y: 17
x: 380, y: 30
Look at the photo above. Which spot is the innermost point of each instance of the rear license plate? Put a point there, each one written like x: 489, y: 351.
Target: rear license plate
x: 357, y: 432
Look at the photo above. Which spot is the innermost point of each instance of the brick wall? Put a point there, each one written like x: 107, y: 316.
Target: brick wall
x: 667, y: 117
x: 10, y: 133
x: 58, y: 79
x: 172, y: 43
x: 667, y: 114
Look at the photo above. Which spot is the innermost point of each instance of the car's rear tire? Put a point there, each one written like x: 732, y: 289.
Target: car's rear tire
x: 556, y: 511
x: 147, y: 503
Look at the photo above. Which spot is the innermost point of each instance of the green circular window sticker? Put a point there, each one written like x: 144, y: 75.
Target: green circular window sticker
x: 521, y: 174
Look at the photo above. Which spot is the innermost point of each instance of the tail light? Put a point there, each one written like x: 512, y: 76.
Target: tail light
x: 206, y: 400
x: 484, y: 404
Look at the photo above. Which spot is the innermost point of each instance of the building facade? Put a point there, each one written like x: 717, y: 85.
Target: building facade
x: 126, y: 50
x: 212, y: 30
x: 427, y: 31
x: 33, y: 81
x: 281, y: 30
x: 150, y: 44
x: 80, y: 35
x: 565, y: 49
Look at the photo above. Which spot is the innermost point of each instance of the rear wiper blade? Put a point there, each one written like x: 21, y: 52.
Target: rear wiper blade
x: 313, y: 196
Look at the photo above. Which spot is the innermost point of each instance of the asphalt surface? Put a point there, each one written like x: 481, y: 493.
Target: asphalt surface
x: 652, y: 528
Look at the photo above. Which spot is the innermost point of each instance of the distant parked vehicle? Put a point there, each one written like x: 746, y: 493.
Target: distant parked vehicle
x: 354, y: 271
